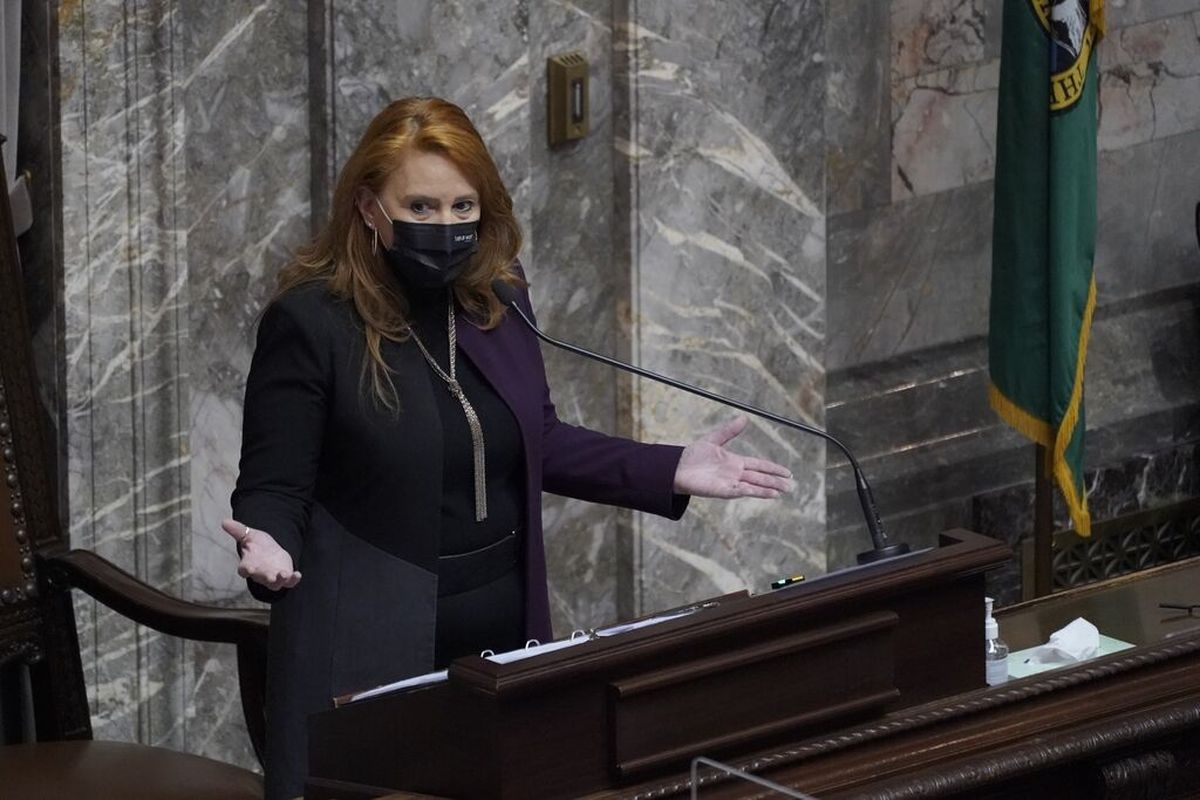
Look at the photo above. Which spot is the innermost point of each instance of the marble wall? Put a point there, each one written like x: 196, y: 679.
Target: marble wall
x: 586, y: 280
x: 1136, y: 482
x: 181, y: 147
x: 722, y: 135
x: 932, y: 227
x: 910, y: 257
x: 581, y: 292
x: 686, y: 232
x: 741, y: 169
x: 244, y: 206
x: 124, y: 300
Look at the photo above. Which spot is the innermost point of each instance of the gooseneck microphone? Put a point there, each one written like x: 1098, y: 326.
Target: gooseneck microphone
x: 882, y: 548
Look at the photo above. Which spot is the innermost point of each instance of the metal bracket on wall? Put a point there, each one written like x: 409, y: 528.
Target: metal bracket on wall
x: 567, y: 112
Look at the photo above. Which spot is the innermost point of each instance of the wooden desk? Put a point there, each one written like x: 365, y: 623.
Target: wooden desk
x: 873, y: 687
x: 1122, y: 726
x: 1125, y: 608
x: 735, y: 675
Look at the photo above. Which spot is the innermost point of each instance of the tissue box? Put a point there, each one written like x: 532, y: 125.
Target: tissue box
x: 1024, y: 663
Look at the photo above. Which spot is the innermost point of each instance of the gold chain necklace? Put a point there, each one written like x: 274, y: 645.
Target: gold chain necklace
x: 451, y: 381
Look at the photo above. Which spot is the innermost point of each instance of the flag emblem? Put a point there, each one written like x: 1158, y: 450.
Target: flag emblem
x: 1068, y: 25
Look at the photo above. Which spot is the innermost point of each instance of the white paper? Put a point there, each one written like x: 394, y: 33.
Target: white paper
x: 1023, y: 663
x: 535, y: 650
x: 616, y: 630
x: 407, y: 683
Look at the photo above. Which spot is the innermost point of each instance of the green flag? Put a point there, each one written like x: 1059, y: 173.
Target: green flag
x: 1044, y: 230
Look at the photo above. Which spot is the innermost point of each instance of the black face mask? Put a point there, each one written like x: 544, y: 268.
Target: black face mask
x: 429, y: 255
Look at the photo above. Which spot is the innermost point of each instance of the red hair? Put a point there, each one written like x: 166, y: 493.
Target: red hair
x: 341, y: 257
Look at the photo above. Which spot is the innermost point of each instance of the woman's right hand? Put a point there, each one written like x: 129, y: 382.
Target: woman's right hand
x: 263, y: 560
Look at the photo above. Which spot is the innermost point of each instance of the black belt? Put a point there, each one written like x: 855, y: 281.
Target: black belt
x: 461, y: 572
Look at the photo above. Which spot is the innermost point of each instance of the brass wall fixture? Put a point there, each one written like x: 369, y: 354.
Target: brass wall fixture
x: 567, y: 90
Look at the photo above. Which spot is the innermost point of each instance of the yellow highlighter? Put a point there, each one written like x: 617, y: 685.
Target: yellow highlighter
x: 782, y: 582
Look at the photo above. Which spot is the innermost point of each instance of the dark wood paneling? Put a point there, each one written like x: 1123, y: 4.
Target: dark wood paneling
x: 725, y: 701
x: 739, y: 673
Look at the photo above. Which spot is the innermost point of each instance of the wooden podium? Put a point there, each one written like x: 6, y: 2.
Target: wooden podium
x: 739, y: 674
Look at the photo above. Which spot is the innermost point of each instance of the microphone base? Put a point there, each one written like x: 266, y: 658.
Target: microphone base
x: 887, y: 551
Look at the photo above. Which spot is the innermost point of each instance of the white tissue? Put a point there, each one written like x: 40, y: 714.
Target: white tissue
x: 1078, y: 641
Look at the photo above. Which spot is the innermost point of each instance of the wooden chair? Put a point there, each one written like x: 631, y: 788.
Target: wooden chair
x: 54, y: 755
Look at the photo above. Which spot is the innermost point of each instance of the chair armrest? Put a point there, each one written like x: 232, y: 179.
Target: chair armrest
x: 145, y: 605
x: 245, y: 627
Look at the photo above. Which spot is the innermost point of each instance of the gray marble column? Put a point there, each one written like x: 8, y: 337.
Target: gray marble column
x: 475, y: 55
x: 185, y: 185
x: 579, y: 290
x: 125, y: 287
x: 245, y: 206
x: 722, y: 137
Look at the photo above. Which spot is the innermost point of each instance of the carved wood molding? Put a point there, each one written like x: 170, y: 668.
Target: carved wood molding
x: 64, y: 712
x: 1127, y: 544
x: 1139, y: 777
x: 1128, y: 777
x: 20, y: 637
x: 26, y: 650
x: 1069, y: 747
x: 16, y: 529
x: 28, y: 519
x: 939, y: 712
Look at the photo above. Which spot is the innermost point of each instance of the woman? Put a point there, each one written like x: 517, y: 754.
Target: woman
x: 398, y: 434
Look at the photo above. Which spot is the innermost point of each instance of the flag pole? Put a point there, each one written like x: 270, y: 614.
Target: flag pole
x: 1043, y: 525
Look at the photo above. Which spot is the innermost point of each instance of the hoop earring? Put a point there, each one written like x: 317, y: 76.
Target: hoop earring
x: 374, y: 239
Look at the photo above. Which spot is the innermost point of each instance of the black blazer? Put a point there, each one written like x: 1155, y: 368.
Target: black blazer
x: 351, y: 492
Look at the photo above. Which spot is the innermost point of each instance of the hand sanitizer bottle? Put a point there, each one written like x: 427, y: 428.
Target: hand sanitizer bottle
x: 995, y: 650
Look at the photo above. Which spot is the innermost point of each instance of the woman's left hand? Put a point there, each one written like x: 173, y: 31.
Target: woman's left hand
x: 707, y: 469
